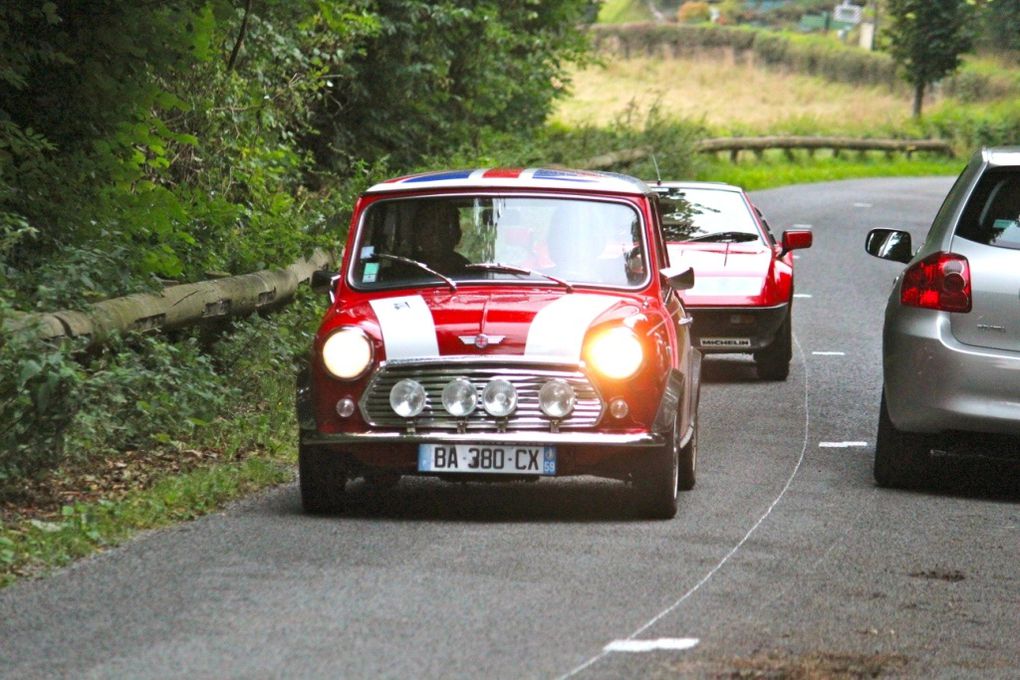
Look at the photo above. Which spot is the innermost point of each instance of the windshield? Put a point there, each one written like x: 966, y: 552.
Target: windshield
x: 485, y: 239
x: 698, y: 214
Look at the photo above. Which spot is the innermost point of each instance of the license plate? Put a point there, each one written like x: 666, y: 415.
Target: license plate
x: 487, y: 458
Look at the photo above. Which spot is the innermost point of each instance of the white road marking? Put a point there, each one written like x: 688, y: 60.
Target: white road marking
x: 801, y: 295
x: 735, y: 549
x: 841, y: 445
x: 650, y: 645
x: 829, y: 354
x: 862, y: 205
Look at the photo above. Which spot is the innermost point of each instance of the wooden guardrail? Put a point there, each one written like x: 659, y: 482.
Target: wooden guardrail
x: 759, y: 145
x: 176, y: 306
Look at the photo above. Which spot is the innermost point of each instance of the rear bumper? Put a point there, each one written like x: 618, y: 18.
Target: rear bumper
x: 735, y: 329
x: 933, y: 383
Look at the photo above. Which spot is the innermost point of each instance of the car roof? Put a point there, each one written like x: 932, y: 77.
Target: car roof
x: 515, y: 178
x: 694, y: 185
x: 1002, y: 155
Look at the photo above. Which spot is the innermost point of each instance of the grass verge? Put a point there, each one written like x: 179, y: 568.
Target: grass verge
x: 32, y: 546
x: 775, y: 169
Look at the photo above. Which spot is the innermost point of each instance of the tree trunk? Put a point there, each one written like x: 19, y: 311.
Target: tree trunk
x: 918, y: 99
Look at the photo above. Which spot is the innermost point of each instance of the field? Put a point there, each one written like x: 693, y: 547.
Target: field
x: 728, y: 96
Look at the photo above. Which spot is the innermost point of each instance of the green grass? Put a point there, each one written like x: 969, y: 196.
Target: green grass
x: 34, y: 547
x: 774, y: 169
x: 623, y: 11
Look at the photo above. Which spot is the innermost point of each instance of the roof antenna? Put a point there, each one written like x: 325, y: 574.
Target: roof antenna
x: 658, y: 177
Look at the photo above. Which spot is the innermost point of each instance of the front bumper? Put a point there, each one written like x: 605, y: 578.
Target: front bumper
x: 719, y: 330
x: 640, y: 439
x: 934, y: 383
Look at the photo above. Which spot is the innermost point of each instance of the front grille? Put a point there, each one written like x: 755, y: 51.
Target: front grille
x: 375, y: 404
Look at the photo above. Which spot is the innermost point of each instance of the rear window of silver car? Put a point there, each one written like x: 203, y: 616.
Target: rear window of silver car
x: 992, y: 216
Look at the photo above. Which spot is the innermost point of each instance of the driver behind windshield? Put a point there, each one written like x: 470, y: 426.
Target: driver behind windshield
x: 436, y: 234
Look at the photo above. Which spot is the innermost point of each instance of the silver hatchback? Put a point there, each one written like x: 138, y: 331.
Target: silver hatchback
x: 951, y: 339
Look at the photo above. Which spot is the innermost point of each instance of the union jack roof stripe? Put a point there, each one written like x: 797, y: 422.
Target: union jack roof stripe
x: 521, y: 178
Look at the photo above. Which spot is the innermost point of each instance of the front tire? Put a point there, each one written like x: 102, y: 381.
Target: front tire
x: 900, y: 457
x: 659, y: 481
x: 321, y: 479
x: 773, y: 362
x: 687, y: 476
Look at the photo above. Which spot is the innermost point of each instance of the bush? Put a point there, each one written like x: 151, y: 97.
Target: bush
x: 693, y: 13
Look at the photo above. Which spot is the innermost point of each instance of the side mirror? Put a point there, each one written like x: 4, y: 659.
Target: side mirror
x: 678, y: 279
x: 323, y: 281
x: 889, y: 244
x: 795, y: 239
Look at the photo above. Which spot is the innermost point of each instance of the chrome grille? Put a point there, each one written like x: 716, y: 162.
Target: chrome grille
x: 375, y: 403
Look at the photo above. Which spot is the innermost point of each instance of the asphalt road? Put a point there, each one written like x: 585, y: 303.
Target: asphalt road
x: 785, y: 558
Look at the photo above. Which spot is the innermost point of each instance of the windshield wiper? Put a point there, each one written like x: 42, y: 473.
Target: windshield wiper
x: 732, y: 236
x: 420, y: 265
x: 511, y: 269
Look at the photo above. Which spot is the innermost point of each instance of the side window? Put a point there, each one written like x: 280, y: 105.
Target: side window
x: 992, y: 216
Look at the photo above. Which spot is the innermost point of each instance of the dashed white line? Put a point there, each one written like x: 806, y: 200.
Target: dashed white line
x: 841, y: 445
x: 829, y: 354
x: 735, y: 549
x: 676, y: 644
x: 801, y: 295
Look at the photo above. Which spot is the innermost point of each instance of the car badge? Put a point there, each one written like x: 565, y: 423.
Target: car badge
x: 481, y: 341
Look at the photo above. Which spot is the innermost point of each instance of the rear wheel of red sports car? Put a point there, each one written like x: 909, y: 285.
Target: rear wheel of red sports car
x: 321, y: 479
x: 900, y: 456
x: 773, y: 362
x: 659, y: 481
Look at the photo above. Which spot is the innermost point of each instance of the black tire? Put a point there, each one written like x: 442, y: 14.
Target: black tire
x: 900, y: 457
x: 659, y: 480
x: 688, y: 477
x: 321, y: 478
x: 773, y: 362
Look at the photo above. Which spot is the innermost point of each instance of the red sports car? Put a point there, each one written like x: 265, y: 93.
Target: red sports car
x: 743, y: 294
x: 493, y: 325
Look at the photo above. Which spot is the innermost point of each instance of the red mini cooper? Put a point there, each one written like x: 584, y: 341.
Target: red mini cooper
x: 497, y: 325
x: 743, y: 299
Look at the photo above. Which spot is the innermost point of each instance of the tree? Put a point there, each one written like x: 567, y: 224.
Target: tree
x: 927, y: 38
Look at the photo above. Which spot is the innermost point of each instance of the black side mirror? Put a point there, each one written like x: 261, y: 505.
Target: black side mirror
x: 324, y: 281
x: 678, y: 279
x: 889, y: 244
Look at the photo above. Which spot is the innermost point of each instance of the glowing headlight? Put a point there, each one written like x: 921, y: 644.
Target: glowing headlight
x: 499, y: 398
x: 459, y: 397
x: 556, y: 399
x: 407, y: 398
x: 616, y: 354
x: 347, y: 354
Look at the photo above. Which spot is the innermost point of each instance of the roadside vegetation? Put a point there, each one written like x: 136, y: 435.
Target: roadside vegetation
x: 163, y: 145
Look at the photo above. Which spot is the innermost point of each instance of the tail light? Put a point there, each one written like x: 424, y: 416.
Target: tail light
x: 940, y: 281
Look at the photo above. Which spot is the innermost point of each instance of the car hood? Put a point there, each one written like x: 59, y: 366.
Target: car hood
x: 724, y: 273
x: 538, y: 323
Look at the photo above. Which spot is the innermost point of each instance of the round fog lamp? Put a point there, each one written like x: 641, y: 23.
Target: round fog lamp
x: 556, y: 399
x: 407, y: 398
x: 460, y: 397
x: 499, y: 399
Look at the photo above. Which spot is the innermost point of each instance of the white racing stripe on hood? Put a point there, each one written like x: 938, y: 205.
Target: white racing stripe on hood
x: 408, y: 330
x: 558, y: 329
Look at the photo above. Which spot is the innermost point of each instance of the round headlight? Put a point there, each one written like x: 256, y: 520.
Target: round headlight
x: 407, y: 398
x: 460, y: 397
x: 616, y: 354
x: 347, y: 354
x: 499, y: 398
x: 556, y: 399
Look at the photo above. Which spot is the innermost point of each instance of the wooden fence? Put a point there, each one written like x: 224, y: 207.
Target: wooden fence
x: 176, y: 306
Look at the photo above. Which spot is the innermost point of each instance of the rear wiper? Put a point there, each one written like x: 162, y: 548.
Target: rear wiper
x: 732, y: 236
x: 420, y: 265
x: 511, y: 269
